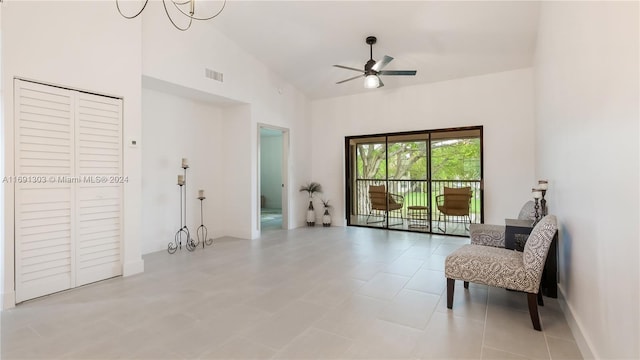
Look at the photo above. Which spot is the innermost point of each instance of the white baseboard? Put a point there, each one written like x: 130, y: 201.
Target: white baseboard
x: 8, y: 300
x: 583, y: 342
x: 132, y: 268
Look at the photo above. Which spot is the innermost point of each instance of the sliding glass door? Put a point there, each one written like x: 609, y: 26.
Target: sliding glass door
x: 405, y: 181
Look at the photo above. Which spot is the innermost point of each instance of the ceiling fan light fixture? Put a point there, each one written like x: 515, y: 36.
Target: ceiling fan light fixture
x: 372, y: 69
x: 372, y: 81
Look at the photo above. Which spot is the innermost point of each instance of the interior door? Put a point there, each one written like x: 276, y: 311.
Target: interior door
x: 99, y: 194
x: 68, y: 192
x: 44, y: 153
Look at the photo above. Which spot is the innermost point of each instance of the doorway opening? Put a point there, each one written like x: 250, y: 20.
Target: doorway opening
x: 272, y: 163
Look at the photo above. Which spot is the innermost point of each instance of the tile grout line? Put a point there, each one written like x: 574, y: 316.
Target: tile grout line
x: 505, y: 351
x: 546, y: 341
x: 486, y: 318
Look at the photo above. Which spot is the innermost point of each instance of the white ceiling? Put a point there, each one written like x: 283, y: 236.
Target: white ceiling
x: 442, y: 40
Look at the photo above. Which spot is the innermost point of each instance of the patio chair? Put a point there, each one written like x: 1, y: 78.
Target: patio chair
x: 386, y: 202
x: 504, y: 268
x: 494, y: 235
x: 454, y: 202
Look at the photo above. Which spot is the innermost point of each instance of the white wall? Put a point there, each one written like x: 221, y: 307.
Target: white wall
x: 587, y: 95
x: 271, y: 170
x: 502, y: 103
x: 240, y: 177
x: 181, y: 58
x: 3, y: 292
x: 176, y: 128
x: 82, y: 45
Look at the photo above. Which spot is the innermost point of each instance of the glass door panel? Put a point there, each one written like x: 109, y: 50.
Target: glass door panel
x: 408, y: 180
x: 368, y: 170
x: 456, y: 175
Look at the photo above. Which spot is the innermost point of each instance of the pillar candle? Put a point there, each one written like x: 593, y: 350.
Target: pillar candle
x: 537, y: 194
x: 180, y: 179
x: 185, y: 163
x: 543, y: 184
x: 200, y: 193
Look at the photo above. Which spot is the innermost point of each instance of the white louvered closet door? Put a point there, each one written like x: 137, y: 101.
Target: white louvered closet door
x: 68, y: 197
x: 99, y: 196
x: 44, y: 145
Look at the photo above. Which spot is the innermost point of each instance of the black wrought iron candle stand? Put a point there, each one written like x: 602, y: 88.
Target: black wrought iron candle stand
x: 537, y: 213
x: 183, y: 233
x: 543, y: 203
x: 201, y: 232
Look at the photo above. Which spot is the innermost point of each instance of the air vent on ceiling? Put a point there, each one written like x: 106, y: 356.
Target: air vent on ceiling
x: 212, y: 74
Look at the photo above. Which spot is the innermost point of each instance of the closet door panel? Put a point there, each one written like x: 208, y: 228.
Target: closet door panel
x: 44, y: 220
x: 99, y: 201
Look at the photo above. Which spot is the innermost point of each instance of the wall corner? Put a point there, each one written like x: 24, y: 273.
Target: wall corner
x: 133, y: 268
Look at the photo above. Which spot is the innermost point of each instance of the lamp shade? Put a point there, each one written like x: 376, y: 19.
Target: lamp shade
x: 371, y: 81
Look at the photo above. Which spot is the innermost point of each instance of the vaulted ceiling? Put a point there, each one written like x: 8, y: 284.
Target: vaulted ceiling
x: 442, y: 40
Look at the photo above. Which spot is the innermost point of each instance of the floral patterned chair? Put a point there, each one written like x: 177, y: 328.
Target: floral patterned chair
x: 493, y: 235
x: 499, y: 267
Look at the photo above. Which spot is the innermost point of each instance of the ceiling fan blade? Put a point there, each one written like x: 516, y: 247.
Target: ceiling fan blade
x: 381, y: 83
x: 397, y: 72
x: 349, y: 79
x: 349, y: 68
x: 382, y: 63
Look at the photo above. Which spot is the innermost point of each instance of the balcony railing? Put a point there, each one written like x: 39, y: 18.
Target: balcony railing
x: 415, y: 193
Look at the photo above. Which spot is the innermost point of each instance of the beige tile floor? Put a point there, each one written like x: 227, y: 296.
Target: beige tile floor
x: 453, y: 227
x: 306, y: 293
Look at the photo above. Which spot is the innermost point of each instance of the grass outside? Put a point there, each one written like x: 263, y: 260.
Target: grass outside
x: 420, y: 199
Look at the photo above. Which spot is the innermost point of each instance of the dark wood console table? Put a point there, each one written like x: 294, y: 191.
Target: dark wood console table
x: 515, y: 237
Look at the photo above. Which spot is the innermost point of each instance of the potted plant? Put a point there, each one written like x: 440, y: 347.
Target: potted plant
x: 326, y: 217
x: 311, y: 188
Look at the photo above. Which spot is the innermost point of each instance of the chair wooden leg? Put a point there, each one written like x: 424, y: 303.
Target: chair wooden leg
x: 466, y: 284
x: 533, y: 310
x: 540, y: 300
x: 450, y: 286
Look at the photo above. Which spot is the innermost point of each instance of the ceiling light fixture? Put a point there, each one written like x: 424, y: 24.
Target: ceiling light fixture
x: 373, y: 69
x: 181, y: 7
x: 372, y: 81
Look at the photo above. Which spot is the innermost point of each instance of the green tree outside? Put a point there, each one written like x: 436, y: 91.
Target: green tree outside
x: 451, y: 159
x: 457, y: 159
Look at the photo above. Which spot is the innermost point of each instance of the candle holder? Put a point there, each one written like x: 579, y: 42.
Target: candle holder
x: 536, y: 196
x: 191, y: 243
x: 542, y: 187
x: 183, y: 233
x: 201, y: 232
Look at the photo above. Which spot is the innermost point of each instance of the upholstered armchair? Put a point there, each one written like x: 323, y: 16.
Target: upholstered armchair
x: 499, y: 267
x: 493, y: 235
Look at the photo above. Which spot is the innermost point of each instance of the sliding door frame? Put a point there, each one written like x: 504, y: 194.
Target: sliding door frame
x: 351, y: 172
